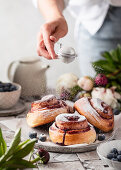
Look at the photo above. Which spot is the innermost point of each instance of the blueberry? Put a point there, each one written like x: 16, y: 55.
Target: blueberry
x: 114, y: 159
x: 119, y: 152
x: 116, y: 111
x: 33, y: 135
x: 115, y: 155
x: 8, y: 84
x: 42, y: 137
x: 1, y: 89
x: 12, y: 88
x: 6, y: 89
x: 119, y: 158
x: 1, y: 85
x: 101, y: 137
x: 110, y: 155
x: 114, y: 150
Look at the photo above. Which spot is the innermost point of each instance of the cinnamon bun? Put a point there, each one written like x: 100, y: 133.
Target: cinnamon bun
x: 45, y: 110
x: 98, y: 113
x: 70, y: 129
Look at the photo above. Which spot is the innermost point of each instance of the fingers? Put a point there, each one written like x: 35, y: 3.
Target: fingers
x: 45, y: 46
x: 41, y: 50
x: 48, y: 43
x: 52, y: 38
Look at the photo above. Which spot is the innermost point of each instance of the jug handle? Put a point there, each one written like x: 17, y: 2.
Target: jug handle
x: 10, y: 77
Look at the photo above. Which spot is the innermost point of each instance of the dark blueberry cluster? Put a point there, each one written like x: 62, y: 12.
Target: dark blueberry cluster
x: 7, y: 87
x: 116, y: 111
x: 42, y: 137
x: 114, y: 155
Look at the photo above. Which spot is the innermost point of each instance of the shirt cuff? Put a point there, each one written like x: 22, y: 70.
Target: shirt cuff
x: 66, y: 3
x: 114, y: 2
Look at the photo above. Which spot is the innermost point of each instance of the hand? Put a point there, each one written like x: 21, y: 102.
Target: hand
x: 49, y: 34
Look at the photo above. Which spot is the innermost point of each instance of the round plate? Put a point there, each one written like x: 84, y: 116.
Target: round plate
x: 17, y: 109
x: 16, y: 123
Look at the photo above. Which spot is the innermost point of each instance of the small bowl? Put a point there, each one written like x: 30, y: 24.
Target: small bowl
x: 9, y: 99
x: 104, y: 148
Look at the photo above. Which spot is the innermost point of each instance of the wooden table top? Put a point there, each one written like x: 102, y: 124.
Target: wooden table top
x: 59, y: 161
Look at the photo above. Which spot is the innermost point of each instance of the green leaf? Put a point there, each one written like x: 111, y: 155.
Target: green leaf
x: 74, y: 91
x: 107, y: 56
x: 25, y: 150
x: 21, y: 144
x: 13, y: 145
x: 102, y: 64
x: 3, y: 146
x: 118, y: 50
x: 18, y: 163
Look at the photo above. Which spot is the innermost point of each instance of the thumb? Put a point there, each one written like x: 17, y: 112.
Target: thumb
x: 55, y: 37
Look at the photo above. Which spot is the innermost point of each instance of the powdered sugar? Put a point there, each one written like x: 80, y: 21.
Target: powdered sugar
x: 70, y: 117
x: 48, y: 97
x: 97, y: 103
x: 89, y: 109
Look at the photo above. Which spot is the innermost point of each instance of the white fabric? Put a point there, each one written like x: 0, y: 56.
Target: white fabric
x: 90, y: 13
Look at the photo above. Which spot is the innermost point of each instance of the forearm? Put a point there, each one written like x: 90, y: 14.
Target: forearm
x: 51, y: 9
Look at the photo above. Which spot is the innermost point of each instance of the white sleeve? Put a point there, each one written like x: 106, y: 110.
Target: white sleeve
x: 115, y: 2
x: 36, y: 5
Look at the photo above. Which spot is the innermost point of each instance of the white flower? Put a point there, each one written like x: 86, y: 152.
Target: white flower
x: 86, y: 83
x: 66, y: 81
x: 107, y: 95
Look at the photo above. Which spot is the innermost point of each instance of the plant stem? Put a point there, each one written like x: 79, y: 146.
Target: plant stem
x: 36, y: 160
x: 115, y: 73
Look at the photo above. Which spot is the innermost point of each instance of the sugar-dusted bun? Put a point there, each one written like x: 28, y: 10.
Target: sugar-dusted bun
x: 70, y: 129
x: 45, y: 110
x: 98, y: 113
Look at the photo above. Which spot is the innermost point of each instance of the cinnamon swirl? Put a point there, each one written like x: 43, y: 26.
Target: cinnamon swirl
x: 98, y: 113
x: 45, y: 110
x: 70, y: 129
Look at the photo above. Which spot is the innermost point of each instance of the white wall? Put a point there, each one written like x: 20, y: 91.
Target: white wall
x: 19, y: 24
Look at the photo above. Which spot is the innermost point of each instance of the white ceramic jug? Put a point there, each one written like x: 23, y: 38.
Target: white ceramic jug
x: 29, y: 72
